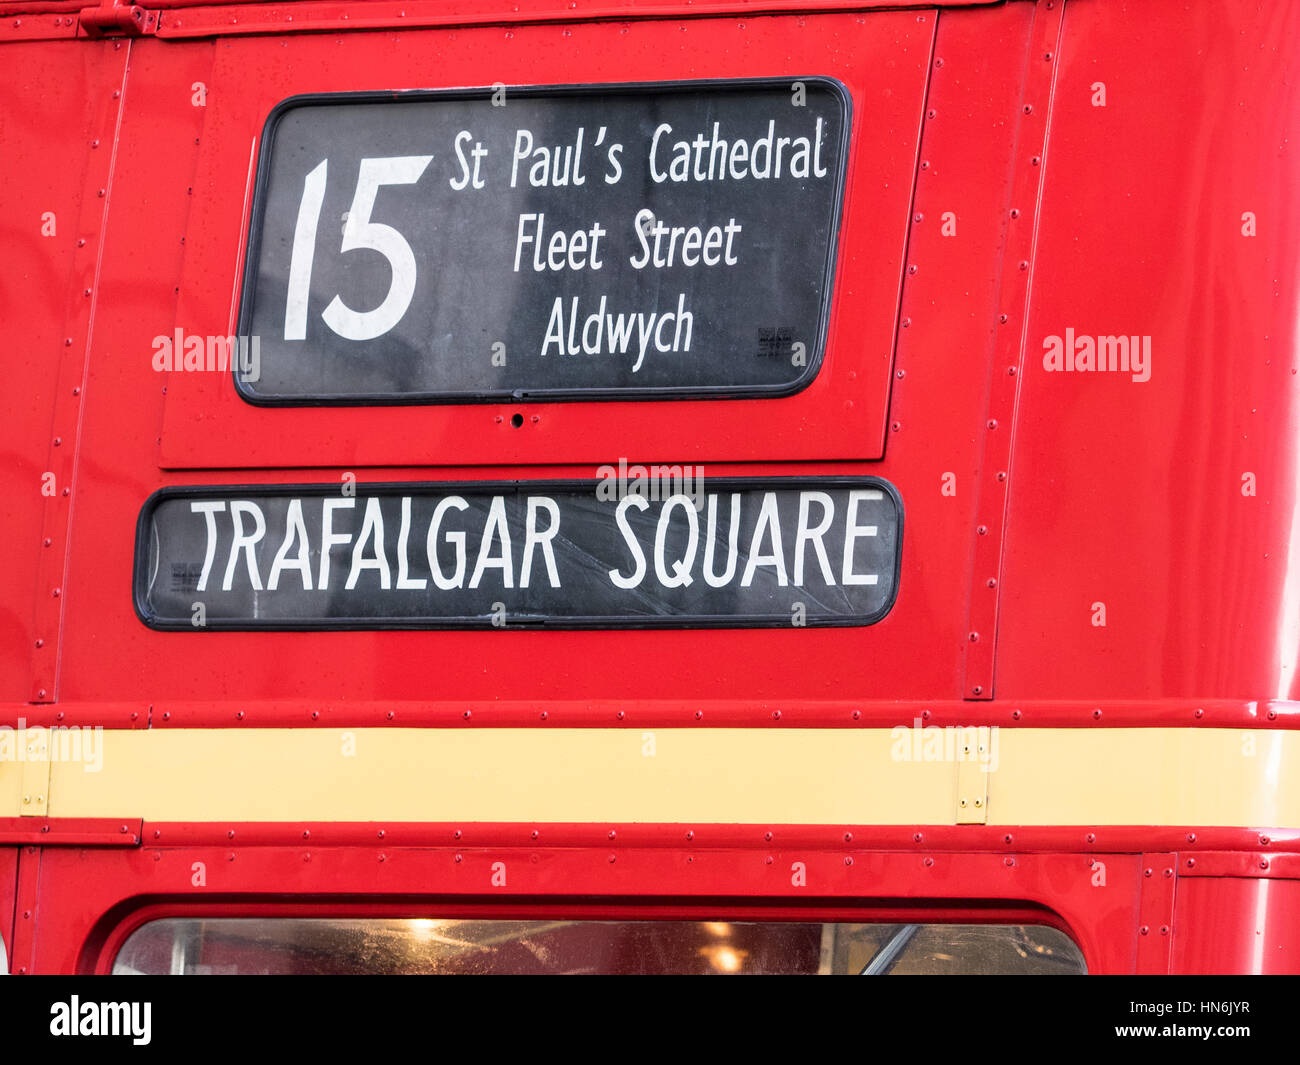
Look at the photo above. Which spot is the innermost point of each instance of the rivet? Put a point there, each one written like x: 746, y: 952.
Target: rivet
x: 1011, y: 371
x: 306, y: 833
x: 917, y: 837
x: 1200, y: 712
x: 699, y: 715
x: 848, y: 861
x: 1034, y: 161
x: 620, y: 715
x: 918, y: 217
x: 1008, y: 861
x: 992, y: 423
x: 101, y: 192
x: 1263, y: 841
x: 1191, y: 863
x: 982, y: 529
x: 690, y: 835
x: 379, y: 834
x: 974, y: 637
x: 1169, y: 873
x: 899, y: 374
x: 306, y: 857
x: 767, y: 860
x: 1146, y: 872
x: 1191, y: 837
x: 938, y: 62
x: 457, y: 859
x: 928, y: 862
x: 57, y: 592
x: 467, y: 714
x: 1015, y: 715
x: 76, y: 391
x: 857, y: 714
x: 40, y: 643
x: 1164, y: 929
x: 767, y: 836
x: 896, y: 426
x: 912, y: 268
x: 67, y: 342
x: 925, y: 164
x: 1002, y: 475
x: 612, y: 859
x: 1090, y: 838
x: 1028, y: 108
x: 543, y: 715
x: 94, y: 144
x: 1143, y: 930
x: 383, y: 858
x: 1024, y: 264
x: 930, y: 113
x: 1006, y: 838
x: 1263, y: 863
x: 907, y: 323
x: 612, y: 834
x: 977, y: 690
x: 1015, y: 212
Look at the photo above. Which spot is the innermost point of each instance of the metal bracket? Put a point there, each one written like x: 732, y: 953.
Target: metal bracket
x: 972, y: 776
x: 112, y: 17
x: 35, y: 788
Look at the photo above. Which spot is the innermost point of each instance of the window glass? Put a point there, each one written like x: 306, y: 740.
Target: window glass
x: 196, y: 945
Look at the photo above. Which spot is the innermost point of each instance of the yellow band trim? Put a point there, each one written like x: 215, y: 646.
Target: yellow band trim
x: 1206, y: 777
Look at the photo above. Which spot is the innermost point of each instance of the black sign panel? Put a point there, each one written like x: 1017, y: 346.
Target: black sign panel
x: 640, y: 241
x: 660, y: 547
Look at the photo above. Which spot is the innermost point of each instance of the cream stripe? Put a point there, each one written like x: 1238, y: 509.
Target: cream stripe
x: 1204, y: 777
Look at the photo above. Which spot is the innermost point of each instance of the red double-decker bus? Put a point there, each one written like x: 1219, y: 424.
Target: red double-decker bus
x: 603, y: 486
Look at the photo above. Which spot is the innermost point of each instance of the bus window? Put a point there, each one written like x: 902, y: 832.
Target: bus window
x: 361, y: 946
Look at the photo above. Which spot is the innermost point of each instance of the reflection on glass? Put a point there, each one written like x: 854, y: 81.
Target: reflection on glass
x: 283, y: 945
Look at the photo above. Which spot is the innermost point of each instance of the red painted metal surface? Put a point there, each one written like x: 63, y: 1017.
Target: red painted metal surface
x: 1230, y: 925
x: 1070, y: 490
x: 8, y: 890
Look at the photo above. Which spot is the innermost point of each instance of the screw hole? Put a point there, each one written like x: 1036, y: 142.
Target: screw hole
x: 516, y: 420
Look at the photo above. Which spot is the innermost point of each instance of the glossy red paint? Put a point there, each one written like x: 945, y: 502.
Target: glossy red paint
x: 1241, y: 925
x: 1070, y: 490
x: 8, y: 890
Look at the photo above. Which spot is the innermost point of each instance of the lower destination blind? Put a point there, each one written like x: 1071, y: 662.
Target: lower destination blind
x: 676, y: 551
